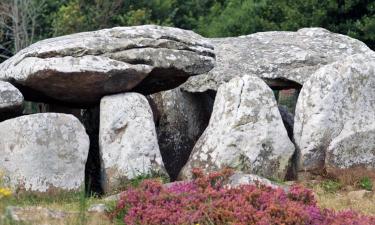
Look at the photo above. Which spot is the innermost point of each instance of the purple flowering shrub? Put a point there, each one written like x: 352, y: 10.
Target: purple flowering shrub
x: 206, y: 200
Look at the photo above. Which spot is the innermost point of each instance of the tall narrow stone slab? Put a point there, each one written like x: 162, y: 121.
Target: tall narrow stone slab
x: 127, y: 140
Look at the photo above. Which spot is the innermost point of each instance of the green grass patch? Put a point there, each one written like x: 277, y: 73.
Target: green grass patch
x: 366, y: 183
x: 330, y: 186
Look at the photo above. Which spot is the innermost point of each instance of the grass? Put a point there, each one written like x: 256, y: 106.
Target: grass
x: 134, y: 182
x: 330, y: 186
x: 74, y: 203
x: 334, y: 194
x: 330, y: 193
x: 341, y: 201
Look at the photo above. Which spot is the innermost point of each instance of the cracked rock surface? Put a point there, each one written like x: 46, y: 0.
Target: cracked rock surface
x: 245, y: 132
x: 11, y: 100
x: 276, y: 57
x: 127, y: 140
x: 43, y: 153
x: 335, y: 120
x: 83, y: 67
x: 182, y: 118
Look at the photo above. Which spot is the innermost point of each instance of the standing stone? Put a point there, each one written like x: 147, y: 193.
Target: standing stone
x: 11, y: 100
x: 281, y: 58
x: 245, y: 132
x: 44, y: 152
x: 81, y: 68
x: 335, y: 116
x: 182, y: 118
x: 127, y: 140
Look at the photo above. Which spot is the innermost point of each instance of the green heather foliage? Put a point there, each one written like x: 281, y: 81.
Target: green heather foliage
x: 330, y: 186
x: 366, y: 183
x: 206, y: 200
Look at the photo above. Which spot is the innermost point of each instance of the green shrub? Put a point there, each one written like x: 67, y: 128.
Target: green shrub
x: 330, y: 186
x: 366, y: 183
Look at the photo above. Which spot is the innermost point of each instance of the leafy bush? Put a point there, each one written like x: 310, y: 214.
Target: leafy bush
x: 206, y: 200
x: 366, y: 183
x: 331, y: 186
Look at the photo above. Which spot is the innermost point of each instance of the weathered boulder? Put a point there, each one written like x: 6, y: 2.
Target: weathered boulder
x: 239, y: 178
x: 11, y: 100
x: 335, y: 120
x: 182, y: 118
x: 127, y: 140
x: 44, y: 152
x: 83, y: 67
x: 281, y: 58
x: 245, y: 132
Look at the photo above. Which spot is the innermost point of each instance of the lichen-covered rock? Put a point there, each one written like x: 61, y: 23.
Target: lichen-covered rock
x: 11, y: 100
x: 182, y: 118
x: 44, y: 152
x: 276, y: 57
x: 335, y: 120
x: 239, y: 178
x: 83, y: 67
x: 127, y: 140
x: 245, y: 132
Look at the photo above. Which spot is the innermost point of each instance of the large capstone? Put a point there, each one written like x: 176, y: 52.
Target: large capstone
x: 245, y: 132
x: 81, y: 68
x: 181, y: 118
x: 335, y: 120
x: 44, y: 152
x: 127, y: 140
x: 11, y: 100
x: 282, y: 58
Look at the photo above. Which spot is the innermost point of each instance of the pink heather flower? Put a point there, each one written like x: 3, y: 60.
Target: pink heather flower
x: 205, y: 200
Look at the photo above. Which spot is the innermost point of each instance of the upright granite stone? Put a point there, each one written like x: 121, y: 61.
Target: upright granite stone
x: 281, y: 58
x: 127, y: 140
x: 181, y: 120
x: 335, y: 116
x: 245, y: 132
x: 81, y: 68
x: 44, y: 152
x: 11, y: 100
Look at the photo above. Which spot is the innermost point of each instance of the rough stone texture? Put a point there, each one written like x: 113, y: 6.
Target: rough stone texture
x: 44, y: 152
x: 335, y: 119
x: 275, y: 56
x: 98, y: 208
x: 33, y: 214
x: 181, y: 120
x: 239, y: 178
x: 36, y: 215
x: 112, y: 198
x: 11, y: 100
x: 127, y: 139
x: 83, y: 67
x: 245, y: 132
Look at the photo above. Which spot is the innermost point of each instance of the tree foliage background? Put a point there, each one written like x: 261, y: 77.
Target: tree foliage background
x: 23, y: 22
